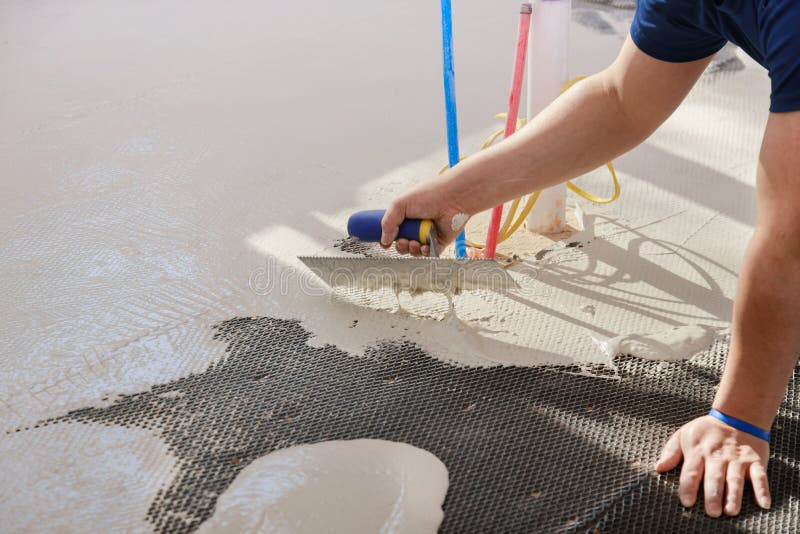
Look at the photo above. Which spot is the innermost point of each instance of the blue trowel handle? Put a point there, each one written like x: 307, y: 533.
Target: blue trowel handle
x: 366, y: 226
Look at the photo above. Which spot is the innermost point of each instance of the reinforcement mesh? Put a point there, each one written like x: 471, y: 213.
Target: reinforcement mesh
x: 544, y: 449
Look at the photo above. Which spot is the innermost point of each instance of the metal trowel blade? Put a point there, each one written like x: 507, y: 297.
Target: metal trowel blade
x: 411, y: 274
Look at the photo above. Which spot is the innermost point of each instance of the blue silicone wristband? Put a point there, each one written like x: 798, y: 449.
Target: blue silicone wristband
x: 738, y: 424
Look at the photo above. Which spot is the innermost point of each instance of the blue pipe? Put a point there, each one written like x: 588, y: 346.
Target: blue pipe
x: 450, y: 103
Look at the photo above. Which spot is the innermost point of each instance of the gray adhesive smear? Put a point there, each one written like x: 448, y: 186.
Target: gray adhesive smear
x: 458, y: 221
x: 528, y: 448
x: 619, y: 4
x: 593, y: 20
x: 354, y: 246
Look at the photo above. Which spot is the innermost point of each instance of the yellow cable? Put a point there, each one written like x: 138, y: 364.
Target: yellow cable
x: 593, y: 198
x: 509, y: 227
x: 510, y: 217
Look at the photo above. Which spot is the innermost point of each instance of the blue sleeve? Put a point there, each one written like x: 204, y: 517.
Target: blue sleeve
x: 780, y: 32
x: 671, y: 30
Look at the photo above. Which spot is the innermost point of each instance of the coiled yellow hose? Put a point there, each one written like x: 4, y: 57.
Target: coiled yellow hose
x: 511, y: 225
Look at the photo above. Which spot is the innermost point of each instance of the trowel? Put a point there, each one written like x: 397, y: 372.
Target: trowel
x: 445, y: 275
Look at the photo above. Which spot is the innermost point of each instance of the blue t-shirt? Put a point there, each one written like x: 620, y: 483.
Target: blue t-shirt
x: 687, y: 30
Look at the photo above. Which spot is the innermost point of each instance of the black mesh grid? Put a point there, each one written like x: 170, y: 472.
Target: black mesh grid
x: 541, y: 449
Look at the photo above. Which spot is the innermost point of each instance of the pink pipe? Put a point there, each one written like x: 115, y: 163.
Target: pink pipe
x: 511, y: 118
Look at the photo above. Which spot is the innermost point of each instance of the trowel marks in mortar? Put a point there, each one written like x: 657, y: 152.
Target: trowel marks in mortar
x: 363, y: 485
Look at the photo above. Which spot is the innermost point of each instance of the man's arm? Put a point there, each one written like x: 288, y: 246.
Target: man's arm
x: 765, y: 339
x: 600, y: 118
x: 765, y: 336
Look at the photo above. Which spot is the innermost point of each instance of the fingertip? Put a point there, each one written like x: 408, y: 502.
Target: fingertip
x: 390, y: 222
x: 734, y: 488
x: 402, y: 246
x: 387, y: 239
x: 666, y: 464
x: 731, y: 509
x: 688, y: 498
x: 670, y: 457
x: 713, y: 512
x: 690, y: 480
x: 758, y: 478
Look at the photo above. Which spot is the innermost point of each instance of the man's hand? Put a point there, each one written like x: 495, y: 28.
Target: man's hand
x: 428, y: 200
x: 722, y: 458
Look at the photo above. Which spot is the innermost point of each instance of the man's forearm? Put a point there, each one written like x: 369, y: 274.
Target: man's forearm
x: 579, y: 132
x: 765, y: 336
x: 764, y: 341
x: 597, y: 120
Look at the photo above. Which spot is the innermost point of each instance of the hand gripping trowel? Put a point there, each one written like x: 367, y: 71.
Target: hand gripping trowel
x: 445, y: 275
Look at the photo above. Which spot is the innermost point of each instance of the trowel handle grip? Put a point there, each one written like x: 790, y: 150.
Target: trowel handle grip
x: 366, y: 226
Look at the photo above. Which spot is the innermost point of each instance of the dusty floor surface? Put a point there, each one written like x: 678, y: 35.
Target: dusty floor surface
x: 164, y: 164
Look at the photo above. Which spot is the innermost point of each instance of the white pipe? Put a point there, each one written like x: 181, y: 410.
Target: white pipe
x: 548, y: 45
